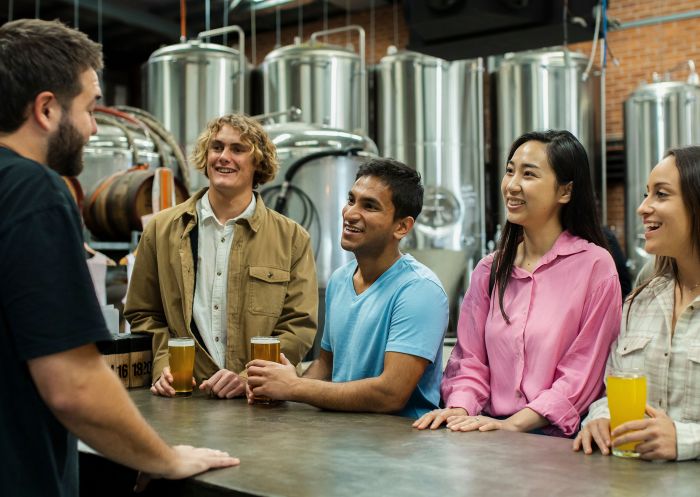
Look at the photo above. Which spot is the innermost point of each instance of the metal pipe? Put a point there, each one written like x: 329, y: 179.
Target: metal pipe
x: 603, y: 151
x: 482, y: 181
x: 363, y: 66
x: 183, y: 21
x: 224, y: 22
x: 651, y: 21
x: 241, y: 56
x: 207, y: 15
x: 293, y: 113
x: 603, y: 137
x: 253, y: 36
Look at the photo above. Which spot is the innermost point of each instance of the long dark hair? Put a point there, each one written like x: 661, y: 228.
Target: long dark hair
x: 688, y: 164
x: 569, y: 161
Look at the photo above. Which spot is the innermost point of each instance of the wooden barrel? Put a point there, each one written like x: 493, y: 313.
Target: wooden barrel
x: 75, y: 189
x: 114, y: 208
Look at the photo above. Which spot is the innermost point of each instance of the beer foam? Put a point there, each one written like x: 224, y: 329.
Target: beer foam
x: 181, y: 342
x: 264, y: 340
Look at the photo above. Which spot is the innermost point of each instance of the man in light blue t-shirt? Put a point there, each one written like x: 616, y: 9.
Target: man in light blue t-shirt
x: 386, y: 313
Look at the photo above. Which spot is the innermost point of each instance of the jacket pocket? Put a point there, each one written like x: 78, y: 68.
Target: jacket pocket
x: 631, y: 351
x: 691, y: 401
x: 267, y: 287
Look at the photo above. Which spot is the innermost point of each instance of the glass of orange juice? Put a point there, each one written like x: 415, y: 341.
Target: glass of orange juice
x: 627, y: 398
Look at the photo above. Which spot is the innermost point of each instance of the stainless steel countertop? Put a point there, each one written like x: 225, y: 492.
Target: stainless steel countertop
x: 294, y: 450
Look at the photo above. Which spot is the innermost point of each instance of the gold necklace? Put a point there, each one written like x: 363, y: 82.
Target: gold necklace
x: 690, y: 289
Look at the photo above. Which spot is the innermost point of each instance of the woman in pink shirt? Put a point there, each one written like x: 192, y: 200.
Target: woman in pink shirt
x: 533, y: 342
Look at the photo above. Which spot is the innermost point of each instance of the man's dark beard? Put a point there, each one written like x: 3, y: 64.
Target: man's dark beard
x: 65, y: 153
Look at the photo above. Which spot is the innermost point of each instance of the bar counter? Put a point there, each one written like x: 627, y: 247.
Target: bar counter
x: 294, y: 450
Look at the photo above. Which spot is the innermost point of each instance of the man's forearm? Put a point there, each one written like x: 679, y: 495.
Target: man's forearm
x: 90, y: 401
x: 317, y: 370
x: 368, y: 395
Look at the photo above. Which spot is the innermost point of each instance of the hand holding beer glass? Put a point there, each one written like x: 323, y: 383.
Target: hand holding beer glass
x: 266, y: 349
x: 627, y: 396
x: 181, y: 352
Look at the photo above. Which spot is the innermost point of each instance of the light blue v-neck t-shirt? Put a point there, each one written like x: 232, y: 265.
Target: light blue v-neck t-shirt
x: 405, y: 310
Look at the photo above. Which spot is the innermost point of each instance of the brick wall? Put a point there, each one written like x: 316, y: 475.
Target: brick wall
x: 640, y: 51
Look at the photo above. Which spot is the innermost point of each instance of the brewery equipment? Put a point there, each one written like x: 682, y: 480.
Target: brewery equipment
x: 658, y: 116
x: 318, y: 188
x: 430, y: 116
x: 126, y: 138
x: 327, y: 82
x: 546, y: 89
x: 188, y: 84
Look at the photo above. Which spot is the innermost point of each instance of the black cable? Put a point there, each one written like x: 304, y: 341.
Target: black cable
x: 308, y: 216
x: 280, y: 204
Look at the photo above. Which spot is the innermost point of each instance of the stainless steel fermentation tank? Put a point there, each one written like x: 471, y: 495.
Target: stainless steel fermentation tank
x: 658, y: 116
x: 188, y: 84
x: 328, y: 83
x: 327, y: 164
x: 546, y: 89
x: 430, y: 116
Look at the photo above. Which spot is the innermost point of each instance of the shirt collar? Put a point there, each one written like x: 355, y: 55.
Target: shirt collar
x: 565, y: 244
x: 206, y: 212
x: 664, y: 287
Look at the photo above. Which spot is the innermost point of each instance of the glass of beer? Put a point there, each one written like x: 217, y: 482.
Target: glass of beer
x: 266, y: 349
x: 181, y: 351
x: 627, y: 398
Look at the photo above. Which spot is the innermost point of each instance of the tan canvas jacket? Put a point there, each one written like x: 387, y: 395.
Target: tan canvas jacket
x: 272, y: 287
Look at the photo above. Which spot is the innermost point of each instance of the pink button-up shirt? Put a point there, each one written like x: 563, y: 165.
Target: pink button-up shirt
x: 551, y: 357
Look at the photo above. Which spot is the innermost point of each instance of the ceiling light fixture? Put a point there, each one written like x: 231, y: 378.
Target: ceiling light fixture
x: 258, y: 4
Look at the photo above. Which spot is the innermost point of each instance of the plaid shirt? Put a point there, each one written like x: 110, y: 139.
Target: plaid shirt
x: 671, y: 361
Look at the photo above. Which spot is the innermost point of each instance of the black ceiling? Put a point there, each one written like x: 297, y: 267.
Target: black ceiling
x: 130, y: 30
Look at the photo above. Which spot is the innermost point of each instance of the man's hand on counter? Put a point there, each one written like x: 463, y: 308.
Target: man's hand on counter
x: 270, y: 379
x: 163, y: 386
x: 189, y: 461
x: 224, y: 384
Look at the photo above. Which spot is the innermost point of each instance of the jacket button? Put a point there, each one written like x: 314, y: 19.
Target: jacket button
x: 269, y: 275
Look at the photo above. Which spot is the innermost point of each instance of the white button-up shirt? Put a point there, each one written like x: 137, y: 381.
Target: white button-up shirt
x: 213, y: 252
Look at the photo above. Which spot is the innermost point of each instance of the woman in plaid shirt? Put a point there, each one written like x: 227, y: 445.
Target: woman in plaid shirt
x: 660, y: 331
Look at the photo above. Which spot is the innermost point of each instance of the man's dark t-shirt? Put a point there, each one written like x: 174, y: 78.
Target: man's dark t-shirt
x: 47, y: 305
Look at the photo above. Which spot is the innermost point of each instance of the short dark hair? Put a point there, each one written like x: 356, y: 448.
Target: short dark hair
x: 37, y: 56
x: 404, y: 183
